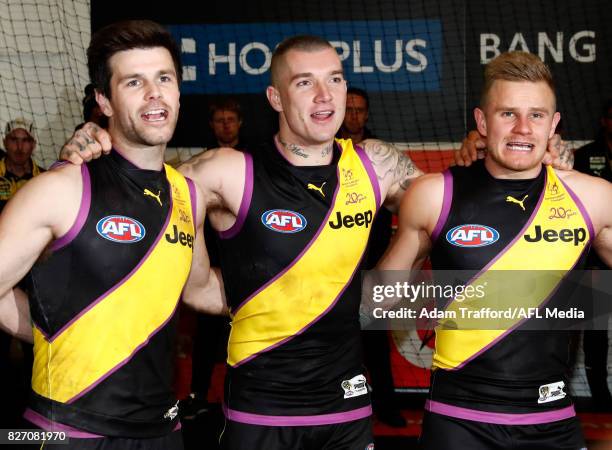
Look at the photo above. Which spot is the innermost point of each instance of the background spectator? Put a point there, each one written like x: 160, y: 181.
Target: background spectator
x: 17, y: 165
x: 16, y: 168
x: 91, y: 109
x: 596, y: 159
x: 225, y: 120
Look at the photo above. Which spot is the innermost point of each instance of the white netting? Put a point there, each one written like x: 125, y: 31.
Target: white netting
x: 43, y: 67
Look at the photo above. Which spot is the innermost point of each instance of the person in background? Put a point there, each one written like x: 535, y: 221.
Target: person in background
x: 16, y: 167
x: 91, y: 109
x: 225, y: 120
x: 596, y: 159
x: 356, y: 116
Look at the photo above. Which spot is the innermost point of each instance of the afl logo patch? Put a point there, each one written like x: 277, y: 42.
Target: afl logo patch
x: 283, y: 221
x: 122, y: 229
x: 472, y: 235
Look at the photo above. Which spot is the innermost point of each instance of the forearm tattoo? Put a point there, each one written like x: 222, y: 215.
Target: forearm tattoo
x: 566, y: 155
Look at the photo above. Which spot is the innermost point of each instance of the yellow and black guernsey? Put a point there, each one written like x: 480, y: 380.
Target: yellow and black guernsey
x: 514, y: 375
x: 103, y: 305
x: 291, y: 271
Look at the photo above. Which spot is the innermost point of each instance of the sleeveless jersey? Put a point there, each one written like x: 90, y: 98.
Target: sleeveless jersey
x: 103, y: 304
x: 290, y: 266
x: 507, y: 225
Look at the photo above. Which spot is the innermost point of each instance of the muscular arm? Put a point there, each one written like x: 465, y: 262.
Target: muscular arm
x: 419, y: 212
x: 42, y: 210
x: 220, y: 175
x: 596, y: 196
x: 15, y: 315
x: 204, y: 290
x: 394, y: 170
x: 601, y: 197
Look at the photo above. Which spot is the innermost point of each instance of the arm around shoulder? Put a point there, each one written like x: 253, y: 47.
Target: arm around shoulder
x: 597, y: 201
x: 204, y: 290
x: 394, y: 170
x: 419, y: 212
x: 221, y: 175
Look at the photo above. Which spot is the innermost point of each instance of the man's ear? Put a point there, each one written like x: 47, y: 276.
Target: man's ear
x: 481, y: 121
x: 555, y: 122
x: 104, y: 104
x: 274, y: 98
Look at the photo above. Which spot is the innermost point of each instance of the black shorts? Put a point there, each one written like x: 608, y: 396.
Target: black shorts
x: 172, y: 441
x: 442, y: 432
x: 355, y: 435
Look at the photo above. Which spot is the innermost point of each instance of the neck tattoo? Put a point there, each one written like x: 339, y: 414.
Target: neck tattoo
x: 327, y: 150
x: 294, y: 149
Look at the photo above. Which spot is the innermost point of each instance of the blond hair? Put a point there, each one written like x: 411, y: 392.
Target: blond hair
x: 515, y: 66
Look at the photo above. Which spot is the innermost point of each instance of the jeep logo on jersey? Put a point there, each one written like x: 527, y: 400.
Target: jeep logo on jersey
x: 472, y: 235
x: 576, y: 235
x: 363, y: 219
x: 283, y: 221
x: 122, y: 229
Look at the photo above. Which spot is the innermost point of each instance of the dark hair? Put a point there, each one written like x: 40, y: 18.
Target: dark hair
x: 89, y: 102
x: 126, y: 35
x: 515, y: 66
x: 605, y: 110
x: 225, y: 104
x: 303, y: 42
x: 361, y: 93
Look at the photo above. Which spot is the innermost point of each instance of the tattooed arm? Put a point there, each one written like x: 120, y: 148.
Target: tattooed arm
x: 89, y: 142
x: 559, y: 153
x: 394, y: 170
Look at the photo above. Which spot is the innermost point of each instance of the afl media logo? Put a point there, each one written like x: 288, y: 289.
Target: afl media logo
x: 472, y: 235
x: 283, y: 221
x: 122, y: 229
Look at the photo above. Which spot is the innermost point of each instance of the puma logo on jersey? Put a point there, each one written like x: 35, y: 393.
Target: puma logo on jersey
x: 511, y: 199
x: 315, y: 188
x: 151, y: 194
